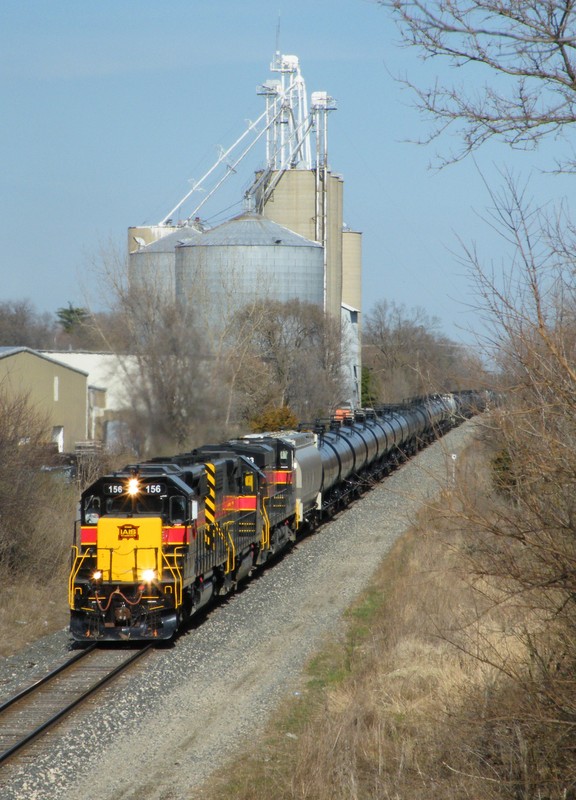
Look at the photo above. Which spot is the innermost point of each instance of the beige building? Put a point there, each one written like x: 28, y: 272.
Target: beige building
x: 111, y: 378
x: 54, y: 389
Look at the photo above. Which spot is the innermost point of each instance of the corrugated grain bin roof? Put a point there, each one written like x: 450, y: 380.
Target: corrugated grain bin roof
x: 167, y: 244
x: 251, y: 230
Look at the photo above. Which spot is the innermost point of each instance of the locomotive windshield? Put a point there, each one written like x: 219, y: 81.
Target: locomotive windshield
x: 126, y: 499
x: 143, y: 504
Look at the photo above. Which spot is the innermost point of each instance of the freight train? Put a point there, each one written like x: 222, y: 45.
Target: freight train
x: 156, y: 541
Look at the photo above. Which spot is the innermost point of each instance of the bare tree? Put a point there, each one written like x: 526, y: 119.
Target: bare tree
x: 524, y: 51
x: 301, y: 350
x: 171, y: 408
x: 522, y: 543
x: 33, y: 537
x: 169, y: 359
x: 530, y: 301
x: 238, y: 375
x: 522, y: 534
x: 22, y: 326
x: 406, y: 354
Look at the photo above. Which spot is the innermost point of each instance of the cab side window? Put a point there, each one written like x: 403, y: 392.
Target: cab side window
x: 92, y: 510
x: 178, y: 510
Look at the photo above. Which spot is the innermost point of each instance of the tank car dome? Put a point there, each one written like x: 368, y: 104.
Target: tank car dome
x: 246, y: 258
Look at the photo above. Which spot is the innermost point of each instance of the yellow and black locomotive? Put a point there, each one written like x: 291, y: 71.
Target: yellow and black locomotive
x: 156, y: 541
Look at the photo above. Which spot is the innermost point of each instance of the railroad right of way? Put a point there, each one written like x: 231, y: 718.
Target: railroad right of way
x: 161, y: 737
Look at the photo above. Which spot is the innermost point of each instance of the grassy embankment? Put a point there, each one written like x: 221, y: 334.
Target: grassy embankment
x: 37, y: 516
x: 34, y: 572
x: 422, y: 696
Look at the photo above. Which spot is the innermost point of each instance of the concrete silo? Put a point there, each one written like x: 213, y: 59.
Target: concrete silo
x: 142, y: 235
x: 352, y: 268
x: 351, y: 308
x: 304, y: 202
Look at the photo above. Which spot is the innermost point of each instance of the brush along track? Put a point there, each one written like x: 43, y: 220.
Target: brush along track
x: 37, y: 708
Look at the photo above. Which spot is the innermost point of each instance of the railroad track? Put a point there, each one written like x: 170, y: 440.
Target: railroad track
x: 37, y: 708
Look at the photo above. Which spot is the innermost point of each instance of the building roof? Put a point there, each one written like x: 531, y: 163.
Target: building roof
x: 7, y: 351
x: 110, y: 371
x: 251, y: 230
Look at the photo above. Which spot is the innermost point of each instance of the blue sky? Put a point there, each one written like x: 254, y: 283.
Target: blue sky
x: 109, y: 108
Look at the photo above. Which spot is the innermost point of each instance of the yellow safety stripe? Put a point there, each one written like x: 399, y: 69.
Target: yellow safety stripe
x: 210, y: 501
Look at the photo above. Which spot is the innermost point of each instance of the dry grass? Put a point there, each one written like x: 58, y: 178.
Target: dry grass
x: 36, y: 534
x: 33, y: 584
x: 425, y: 697
x: 29, y: 610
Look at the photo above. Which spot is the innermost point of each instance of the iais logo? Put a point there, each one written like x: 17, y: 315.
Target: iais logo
x: 128, y: 531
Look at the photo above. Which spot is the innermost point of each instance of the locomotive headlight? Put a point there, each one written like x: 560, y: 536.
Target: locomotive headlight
x: 133, y: 486
x: 97, y: 575
x: 148, y: 575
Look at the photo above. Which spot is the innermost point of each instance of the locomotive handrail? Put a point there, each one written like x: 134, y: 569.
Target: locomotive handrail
x: 231, y: 561
x: 176, y: 573
x: 77, y: 524
x: 230, y: 550
x: 265, y: 540
x: 78, y: 560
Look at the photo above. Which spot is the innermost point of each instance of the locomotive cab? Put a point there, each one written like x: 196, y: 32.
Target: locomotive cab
x: 131, y: 556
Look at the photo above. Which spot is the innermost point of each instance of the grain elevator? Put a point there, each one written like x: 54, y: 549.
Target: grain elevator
x: 290, y: 242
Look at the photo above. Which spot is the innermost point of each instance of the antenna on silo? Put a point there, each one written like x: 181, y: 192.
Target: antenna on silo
x: 278, y: 33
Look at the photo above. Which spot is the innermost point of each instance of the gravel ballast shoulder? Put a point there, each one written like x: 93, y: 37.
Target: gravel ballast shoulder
x: 158, y: 733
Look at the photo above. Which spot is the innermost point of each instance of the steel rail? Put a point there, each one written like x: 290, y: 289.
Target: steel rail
x: 29, y: 737
x: 45, y: 679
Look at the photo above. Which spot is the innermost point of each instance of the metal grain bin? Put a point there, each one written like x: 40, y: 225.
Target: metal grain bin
x: 245, y: 259
x: 153, y: 265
